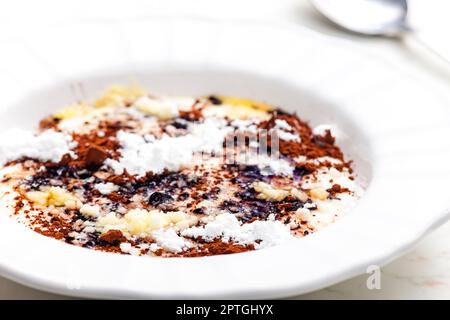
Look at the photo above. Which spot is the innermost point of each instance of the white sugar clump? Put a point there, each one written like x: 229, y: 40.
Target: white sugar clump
x: 139, y: 156
x: 246, y: 125
x: 170, y: 240
x: 227, y: 227
x: 106, y: 188
x: 282, y: 129
x: 321, y: 130
x: 47, y: 146
x: 267, y: 164
x: 282, y: 124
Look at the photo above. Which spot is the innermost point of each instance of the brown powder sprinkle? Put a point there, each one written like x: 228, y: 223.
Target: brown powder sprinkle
x: 95, y: 156
x: 49, y: 123
x: 215, y: 248
x: 312, y: 146
x: 113, y: 237
x: 336, y: 188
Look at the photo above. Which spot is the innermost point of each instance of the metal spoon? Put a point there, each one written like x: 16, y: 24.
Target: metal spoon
x: 386, y: 18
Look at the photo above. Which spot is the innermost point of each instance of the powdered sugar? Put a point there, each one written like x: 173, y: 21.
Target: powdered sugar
x: 282, y: 124
x: 106, y: 188
x: 227, y: 227
x: 268, y: 165
x: 282, y: 129
x: 287, y: 136
x: 47, y: 146
x: 246, y: 125
x: 170, y: 240
x: 139, y: 156
x: 321, y: 129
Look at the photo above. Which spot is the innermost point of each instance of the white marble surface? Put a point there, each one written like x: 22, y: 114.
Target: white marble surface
x: 424, y: 273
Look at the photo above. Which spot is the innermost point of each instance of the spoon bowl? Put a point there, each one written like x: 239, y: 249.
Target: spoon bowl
x: 386, y: 18
x: 368, y: 17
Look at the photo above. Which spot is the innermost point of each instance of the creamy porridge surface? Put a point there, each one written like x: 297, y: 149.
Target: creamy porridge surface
x: 139, y: 174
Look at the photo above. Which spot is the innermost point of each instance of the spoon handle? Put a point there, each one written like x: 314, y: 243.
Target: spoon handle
x: 431, y: 46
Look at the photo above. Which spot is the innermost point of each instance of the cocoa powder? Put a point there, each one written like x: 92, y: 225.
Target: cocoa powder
x: 312, y: 146
x: 112, y: 237
x: 215, y: 248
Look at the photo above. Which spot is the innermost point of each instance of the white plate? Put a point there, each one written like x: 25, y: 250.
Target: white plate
x: 394, y: 127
